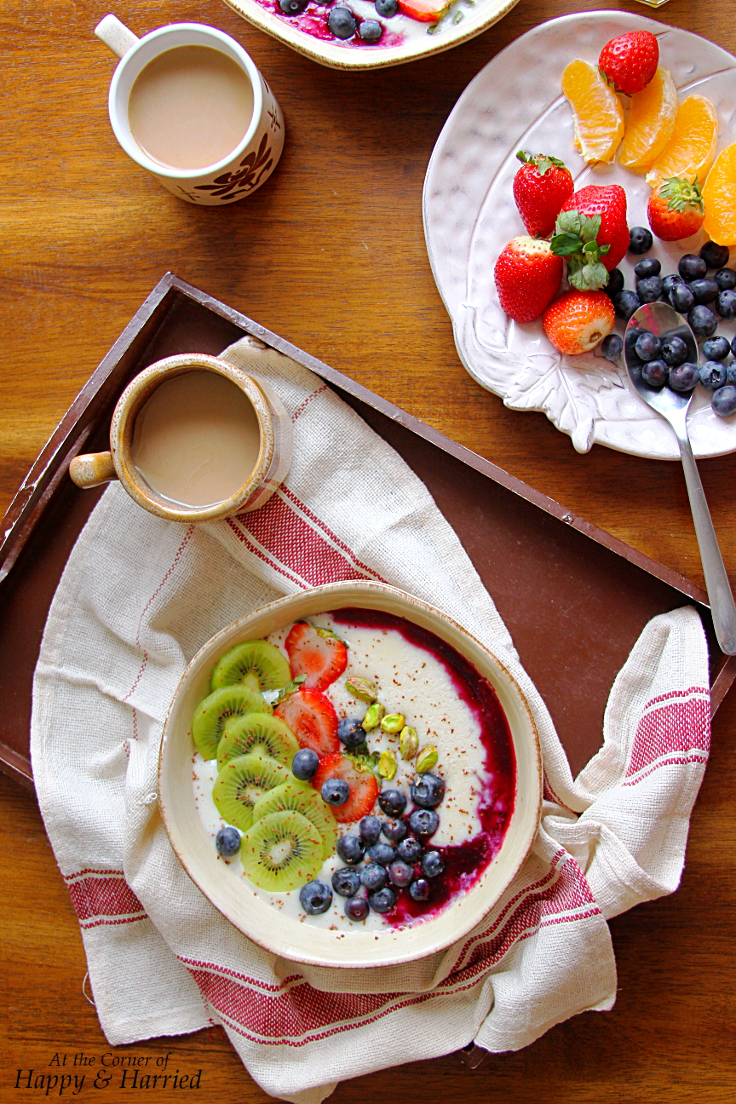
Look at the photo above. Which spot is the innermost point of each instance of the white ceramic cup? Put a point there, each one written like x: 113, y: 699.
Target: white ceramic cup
x: 252, y: 161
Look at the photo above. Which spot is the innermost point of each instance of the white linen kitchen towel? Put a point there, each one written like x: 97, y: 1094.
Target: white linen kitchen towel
x: 139, y: 596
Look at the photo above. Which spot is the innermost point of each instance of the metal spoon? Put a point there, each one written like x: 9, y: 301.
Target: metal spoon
x: 660, y: 319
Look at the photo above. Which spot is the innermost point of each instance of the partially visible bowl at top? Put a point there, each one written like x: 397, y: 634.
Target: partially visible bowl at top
x: 403, y: 38
x: 360, y: 945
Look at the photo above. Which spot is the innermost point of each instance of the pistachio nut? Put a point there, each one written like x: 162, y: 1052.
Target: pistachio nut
x: 393, y: 722
x: 408, y: 742
x: 374, y: 715
x: 361, y: 688
x: 426, y: 759
x: 387, y: 765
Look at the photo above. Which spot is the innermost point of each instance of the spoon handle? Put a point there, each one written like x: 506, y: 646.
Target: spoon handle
x: 716, y: 581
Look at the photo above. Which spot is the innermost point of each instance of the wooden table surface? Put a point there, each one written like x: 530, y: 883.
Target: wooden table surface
x: 331, y: 255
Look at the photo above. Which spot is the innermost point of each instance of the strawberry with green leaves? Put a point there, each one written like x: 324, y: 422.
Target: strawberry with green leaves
x: 629, y: 61
x: 676, y: 209
x: 541, y: 186
x: 592, y: 234
x: 528, y: 276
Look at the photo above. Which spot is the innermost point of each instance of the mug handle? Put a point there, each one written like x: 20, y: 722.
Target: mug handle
x: 92, y: 469
x: 116, y: 35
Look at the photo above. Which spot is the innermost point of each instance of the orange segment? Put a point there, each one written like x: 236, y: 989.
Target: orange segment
x: 692, y: 147
x: 650, y: 124
x: 597, y: 112
x: 719, y: 194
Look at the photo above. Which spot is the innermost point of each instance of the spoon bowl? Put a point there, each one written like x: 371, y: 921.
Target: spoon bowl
x: 662, y: 321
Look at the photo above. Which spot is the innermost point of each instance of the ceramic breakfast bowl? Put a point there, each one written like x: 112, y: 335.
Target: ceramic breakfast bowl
x: 336, y: 944
x: 403, y: 38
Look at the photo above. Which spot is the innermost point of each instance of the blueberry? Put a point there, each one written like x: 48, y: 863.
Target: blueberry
x: 615, y: 282
x: 655, y: 373
x: 691, y: 267
x: 731, y: 372
x: 669, y: 282
x: 420, y: 890
x: 400, y: 873
x: 410, y: 849
x: 715, y: 256
x: 342, y: 22
x: 726, y: 304
x: 681, y: 298
x: 227, y: 841
x: 647, y: 346
x: 716, y: 348
x: 702, y: 321
x: 674, y: 350
x: 733, y: 345
x: 381, y: 853
x: 726, y: 279
x: 640, y: 240
x: 428, y: 790
x: 713, y: 374
x: 649, y: 290
x: 394, y: 830
x: 705, y: 291
x: 387, y: 8
x: 393, y: 802
x: 356, y: 908
x: 292, y: 7
x: 424, y: 822
x: 625, y: 303
x: 335, y: 791
x: 373, y: 876
x: 432, y: 864
x: 370, y: 830
x: 724, y: 401
x: 611, y: 347
x: 345, y: 882
x: 383, y: 900
x: 370, y: 30
x: 304, y: 764
x: 351, y: 732
x: 315, y: 897
x: 683, y: 377
x: 650, y: 266
x: 350, y: 850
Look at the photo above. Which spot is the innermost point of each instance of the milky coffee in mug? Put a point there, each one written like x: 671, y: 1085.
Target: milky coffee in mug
x: 188, y: 104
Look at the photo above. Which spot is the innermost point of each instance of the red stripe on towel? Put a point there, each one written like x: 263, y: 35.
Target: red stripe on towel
x: 677, y: 726
x: 103, y: 897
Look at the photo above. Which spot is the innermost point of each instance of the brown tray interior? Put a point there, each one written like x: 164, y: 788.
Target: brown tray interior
x: 574, y: 599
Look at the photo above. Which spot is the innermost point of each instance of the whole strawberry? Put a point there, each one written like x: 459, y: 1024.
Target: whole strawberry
x: 629, y: 61
x: 592, y: 235
x: 528, y: 276
x: 577, y: 321
x: 676, y: 209
x: 541, y: 186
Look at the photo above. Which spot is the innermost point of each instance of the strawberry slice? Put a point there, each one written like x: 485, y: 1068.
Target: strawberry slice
x: 313, y: 720
x: 363, y: 787
x: 424, y: 11
x: 316, y: 653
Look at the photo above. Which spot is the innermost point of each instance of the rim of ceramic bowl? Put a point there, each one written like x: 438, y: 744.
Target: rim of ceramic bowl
x: 128, y: 407
x: 373, y: 57
x: 238, y: 900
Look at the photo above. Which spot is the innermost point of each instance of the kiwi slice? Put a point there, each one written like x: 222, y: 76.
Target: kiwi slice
x: 281, y: 851
x: 256, y: 663
x: 259, y: 732
x: 241, y: 782
x: 302, y: 799
x: 211, y: 714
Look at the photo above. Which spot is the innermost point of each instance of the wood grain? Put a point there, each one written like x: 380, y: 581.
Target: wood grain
x: 330, y: 254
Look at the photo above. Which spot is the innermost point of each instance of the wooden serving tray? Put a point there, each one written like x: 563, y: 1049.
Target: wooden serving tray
x: 574, y: 598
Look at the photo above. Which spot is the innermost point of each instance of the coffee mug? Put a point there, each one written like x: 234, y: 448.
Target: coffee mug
x: 194, y: 438
x: 169, y: 71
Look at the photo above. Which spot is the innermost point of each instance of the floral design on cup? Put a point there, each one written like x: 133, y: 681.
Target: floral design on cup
x: 252, y: 168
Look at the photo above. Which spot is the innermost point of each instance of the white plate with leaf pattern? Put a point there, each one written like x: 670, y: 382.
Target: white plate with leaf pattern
x: 516, y: 103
